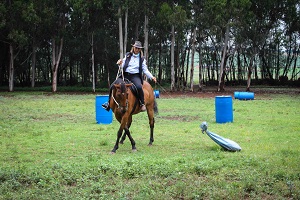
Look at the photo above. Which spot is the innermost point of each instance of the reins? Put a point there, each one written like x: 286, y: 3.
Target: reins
x: 162, y: 89
x: 120, y: 70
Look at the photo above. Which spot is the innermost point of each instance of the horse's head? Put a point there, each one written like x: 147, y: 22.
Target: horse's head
x: 121, y: 95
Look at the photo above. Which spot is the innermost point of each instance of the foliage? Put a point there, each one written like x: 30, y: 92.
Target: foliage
x: 51, y: 148
x: 266, y: 31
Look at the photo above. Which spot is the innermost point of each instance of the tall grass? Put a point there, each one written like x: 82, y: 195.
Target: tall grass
x: 52, y: 148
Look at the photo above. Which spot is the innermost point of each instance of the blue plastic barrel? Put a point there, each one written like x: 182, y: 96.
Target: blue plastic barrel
x: 156, y: 93
x: 102, y: 116
x: 244, y: 95
x: 224, y: 111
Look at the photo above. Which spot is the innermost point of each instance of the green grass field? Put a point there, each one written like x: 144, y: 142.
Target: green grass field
x: 52, y: 148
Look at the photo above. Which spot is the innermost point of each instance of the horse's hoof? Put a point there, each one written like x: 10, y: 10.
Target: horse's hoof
x: 149, y: 145
x: 134, y: 150
x: 112, y: 153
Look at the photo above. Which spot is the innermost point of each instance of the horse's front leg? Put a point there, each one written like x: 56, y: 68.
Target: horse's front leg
x: 131, y: 139
x: 123, y: 125
x: 127, y: 132
x: 123, y: 138
x: 119, y: 134
x: 128, y: 124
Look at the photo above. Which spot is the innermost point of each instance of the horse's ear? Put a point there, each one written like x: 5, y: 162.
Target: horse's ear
x: 117, y: 86
x: 129, y: 85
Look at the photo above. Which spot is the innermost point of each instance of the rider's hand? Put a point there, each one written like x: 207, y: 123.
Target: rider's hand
x: 154, y: 79
x: 119, y: 62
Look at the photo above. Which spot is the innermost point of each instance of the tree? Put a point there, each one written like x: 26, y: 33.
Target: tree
x: 192, y: 62
x: 16, y: 37
x: 174, y: 17
x: 77, y: 41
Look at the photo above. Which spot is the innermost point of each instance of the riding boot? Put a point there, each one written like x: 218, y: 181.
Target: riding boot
x: 106, y: 104
x: 142, y: 101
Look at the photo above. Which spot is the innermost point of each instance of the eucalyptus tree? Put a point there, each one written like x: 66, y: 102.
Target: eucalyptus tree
x: 37, y: 28
x: 254, y: 33
x: 172, y: 16
x: 2, y: 41
x: 225, y: 15
x: 291, y: 32
x: 14, y: 34
x: 2, y: 14
x: 160, y: 33
x: 31, y: 23
x: 148, y: 10
x: 200, y: 23
x: 58, y: 16
x: 132, y: 11
x: 87, y: 20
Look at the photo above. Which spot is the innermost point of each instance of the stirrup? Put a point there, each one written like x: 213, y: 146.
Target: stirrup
x: 106, y: 106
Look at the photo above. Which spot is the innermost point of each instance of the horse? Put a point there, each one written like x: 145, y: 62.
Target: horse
x: 124, y: 104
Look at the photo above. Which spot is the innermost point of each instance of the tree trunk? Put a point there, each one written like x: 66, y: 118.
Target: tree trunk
x: 200, y: 68
x: 11, y: 69
x: 294, y: 74
x: 146, y: 37
x: 120, y: 33
x: 56, y: 55
x: 125, y: 31
x: 285, y: 71
x: 249, y: 73
x: 277, y: 62
x: 93, y: 63
x: 177, y: 68
x: 182, y: 64
x: 107, y: 65
x: 192, y: 61
x: 223, y: 63
x: 239, y: 66
x: 159, y: 63
x: 187, y: 67
x: 33, y: 65
x: 136, y: 32
x: 172, y: 60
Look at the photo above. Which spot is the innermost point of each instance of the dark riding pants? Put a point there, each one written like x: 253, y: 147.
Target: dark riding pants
x: 136, y: 80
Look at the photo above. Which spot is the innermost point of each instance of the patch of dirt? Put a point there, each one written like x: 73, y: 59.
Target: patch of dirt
x: 180, y: 118
x: 211, y: 92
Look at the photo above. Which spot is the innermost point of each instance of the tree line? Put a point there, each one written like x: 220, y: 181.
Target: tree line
x: 77, y: 42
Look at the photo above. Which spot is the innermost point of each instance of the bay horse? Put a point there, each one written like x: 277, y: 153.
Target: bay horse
x: 124, y: 104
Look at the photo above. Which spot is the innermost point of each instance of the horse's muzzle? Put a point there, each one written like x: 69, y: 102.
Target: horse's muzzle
x: 123, y: 109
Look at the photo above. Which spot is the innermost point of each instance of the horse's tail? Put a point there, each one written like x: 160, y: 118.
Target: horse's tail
x: 155, y: 107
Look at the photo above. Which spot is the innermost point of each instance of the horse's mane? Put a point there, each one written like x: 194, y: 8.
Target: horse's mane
x: 126, y: 81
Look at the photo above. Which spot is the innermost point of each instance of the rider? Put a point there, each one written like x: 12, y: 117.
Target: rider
x: 133, y: 65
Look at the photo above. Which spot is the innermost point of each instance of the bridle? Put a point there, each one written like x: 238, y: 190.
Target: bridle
x: 124, y: 90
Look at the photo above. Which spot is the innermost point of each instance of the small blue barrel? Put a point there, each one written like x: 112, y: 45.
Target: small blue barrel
x: 244, y: 95
x: 102, y: 116
x: 156, y: 93
x: 224, y: 111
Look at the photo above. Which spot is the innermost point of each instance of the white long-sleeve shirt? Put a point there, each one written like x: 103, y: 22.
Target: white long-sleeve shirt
x: 134, y: 64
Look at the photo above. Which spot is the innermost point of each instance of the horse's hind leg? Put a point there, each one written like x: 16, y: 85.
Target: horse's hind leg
x: 151, y: 124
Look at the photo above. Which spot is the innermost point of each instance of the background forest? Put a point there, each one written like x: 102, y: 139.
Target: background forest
x: 204, y: 42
